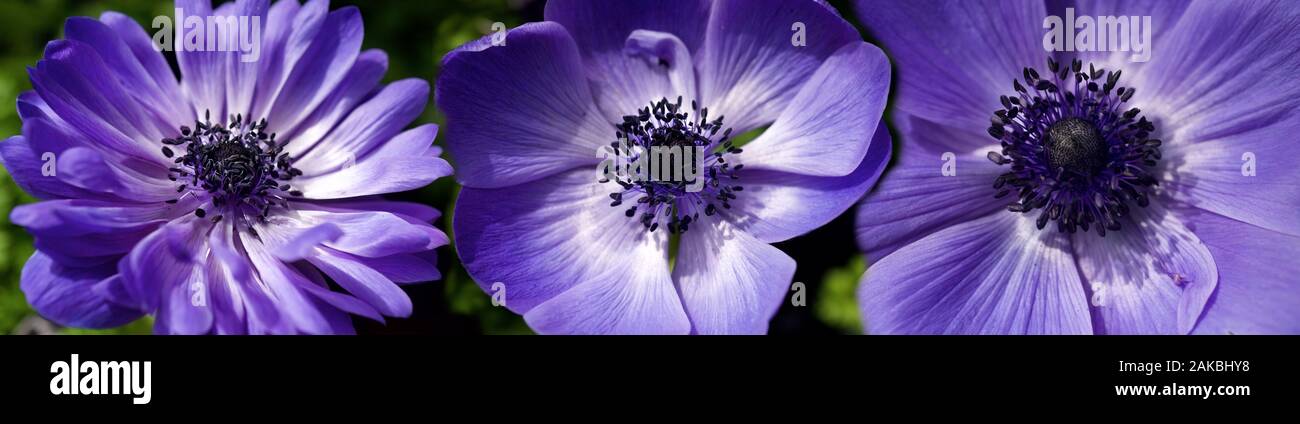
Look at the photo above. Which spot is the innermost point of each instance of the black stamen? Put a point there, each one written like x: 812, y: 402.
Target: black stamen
x: 238, y: 167
x: 1073, y: 151
x: 664, y: 124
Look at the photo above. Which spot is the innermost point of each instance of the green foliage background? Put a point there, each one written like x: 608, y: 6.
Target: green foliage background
x: 415, y: 34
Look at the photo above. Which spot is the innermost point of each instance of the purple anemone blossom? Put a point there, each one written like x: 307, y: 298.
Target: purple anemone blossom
x: 225, y: 202
x: 576, y: 253
x: 1082, y: 192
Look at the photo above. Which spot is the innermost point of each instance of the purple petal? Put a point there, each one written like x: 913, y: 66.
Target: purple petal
x: 161, y: 261
x: 404, y: 163
x: 954, y: 58
x: 77, y: 85
x: 636, y: 301
x: 159, y: 99
x: 544, y: 238
x: 91, y: 168
x: 284, y: 287
x: 288, y: 31
x: 521, y: 111
x: 994, y: 275
x: 1147, y: 278
x: 155, y: 65
x: 1210, y: 80
x: 828, y: 126
x: 238, y: 301
x: 86, y: 232
x: 915, y: 198
x: 65, y: 295
x: 361, y: 81
x: 367, y: 284
x: 730, y: 282
x: 413, y: 212
x: 1164, y: 14
x: 202, y: 72
x: 624, y: 75
x: 1212, y: 175
x: 749, y: 66
x: 185, y: 307
x: 369, y: 127
x: 385, y: 236
x: 25, y: 167
x: 776, y: 206
x: 298, y: 243
x: 321, y: 68
x: 404, y: 268
x: 318, y: 288
x: 367, y: 234
x: 1258, y: 292
x: 241, y: 75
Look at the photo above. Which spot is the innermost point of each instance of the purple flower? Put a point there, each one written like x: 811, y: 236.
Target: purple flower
x: 1108, y: 195
x: 535, y: 223
x: 160, y: 205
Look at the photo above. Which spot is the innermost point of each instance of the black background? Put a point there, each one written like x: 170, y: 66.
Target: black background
x: 429, y: 373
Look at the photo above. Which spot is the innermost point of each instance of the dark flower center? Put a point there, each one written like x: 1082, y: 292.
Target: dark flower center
x: 1077, y: 146
x: 1073, y: 151
x: 655, y: 135
x: 239, y: 167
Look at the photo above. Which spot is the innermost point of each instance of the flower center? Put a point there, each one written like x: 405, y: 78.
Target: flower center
x: 675, y: 169
x: 1077, y: 146
x: 1073, y: 151
x: 239, y: 167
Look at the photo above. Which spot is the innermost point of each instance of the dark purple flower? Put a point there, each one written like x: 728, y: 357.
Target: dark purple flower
x: 1093, y: 192
x: 223, y: 202
x: 575, y: 255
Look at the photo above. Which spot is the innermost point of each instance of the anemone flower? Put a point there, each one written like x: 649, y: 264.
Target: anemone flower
x: 238, y: 199
x: 1054, y: 191
x: 576, y: 252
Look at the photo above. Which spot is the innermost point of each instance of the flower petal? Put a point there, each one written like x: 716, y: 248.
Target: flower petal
x: 994, y: 275
x: 776, y: 206
x: 87, y: 232
x: 284, y: 287
x: 289, y: 30
x: 163, y: 260
x: 367, y: 284
x: 917, y: 197
x: 1151, y: 277
x: 1258, y: 292
x: 360, y: 83
x: 544, y: 238
x: 79, y: 86
x: 64, y: 294
x: 404, y: 163
x: 1211, y: 80
x: 629, y: 301
x: 242, y: 66
x: 730, y: 282
x: 521, y: 111
x: 160, y: 99
x: 954, y: 58
x: 828, y: 126
x: 615, y: 55
x: 321, y: 69
x: 1249, y: 176
x: 368, y: 128
x: 141, y: 46
x: 185, y: 307
x: 751, y: 66
x: 361, y: 233
x: 28, y: 169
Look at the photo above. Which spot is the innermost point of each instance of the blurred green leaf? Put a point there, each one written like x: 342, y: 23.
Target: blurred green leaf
x: 837, y: 304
